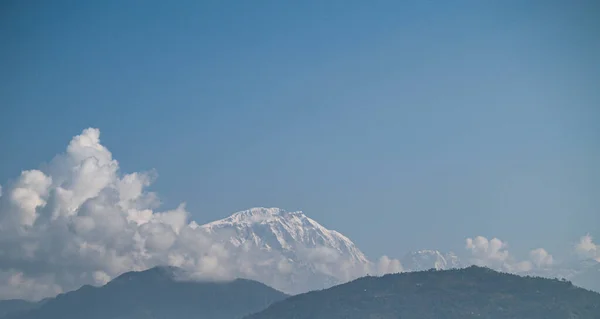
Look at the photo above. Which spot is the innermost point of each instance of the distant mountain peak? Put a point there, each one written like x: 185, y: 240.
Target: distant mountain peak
x: 430, y: 259
x: 275, y: 228
x: 170, y: 273
x: 153, y: 293
x: 257, y: 215
x: 293, y: 245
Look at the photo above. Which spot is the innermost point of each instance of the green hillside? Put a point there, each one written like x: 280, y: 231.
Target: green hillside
x: 472, y: 292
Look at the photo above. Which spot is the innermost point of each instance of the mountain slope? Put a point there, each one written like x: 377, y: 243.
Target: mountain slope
x: 15, y: 305
x: 295, y: 253
x: 583, y: 273
x: 158, y: 293
x: 472, y: 292
x: 588, y: 276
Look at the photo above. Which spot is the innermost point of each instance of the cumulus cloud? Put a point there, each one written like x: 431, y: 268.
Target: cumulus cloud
x: 586, y: 248
x: 82, y: 221
x: 79, y: 220
x: 491, y: 253
x: 386, y: 265
x: 541, y: 258
x: 494, y: 254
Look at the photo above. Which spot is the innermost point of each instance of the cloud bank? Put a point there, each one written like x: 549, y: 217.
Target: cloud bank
x: 81, y: 221
x: 494, y: 254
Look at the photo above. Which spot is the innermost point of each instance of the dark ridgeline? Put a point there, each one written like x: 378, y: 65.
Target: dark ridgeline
x: 473, y: 292
x: 15, y: 305
x: 155, y: 293
x: 589, y: 278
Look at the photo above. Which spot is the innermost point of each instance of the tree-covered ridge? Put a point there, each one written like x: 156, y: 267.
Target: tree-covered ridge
x: 473, y: 292
x: 156, y: 293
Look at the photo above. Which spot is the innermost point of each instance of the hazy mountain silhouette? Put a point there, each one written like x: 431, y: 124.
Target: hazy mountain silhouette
x: 15, y: 305
x: 157, y: 293
x: 473, y: 292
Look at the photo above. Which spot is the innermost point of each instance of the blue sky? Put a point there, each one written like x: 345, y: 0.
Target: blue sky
x: 403, y: 124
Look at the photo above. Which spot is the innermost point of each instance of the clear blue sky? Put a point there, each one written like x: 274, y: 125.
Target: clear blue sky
x: 402, y: 124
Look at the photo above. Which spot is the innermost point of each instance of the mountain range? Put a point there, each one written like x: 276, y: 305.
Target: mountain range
x: 472, y: 292
x: 293, y: 253
x: 167, y: 293
x: 160, y: 292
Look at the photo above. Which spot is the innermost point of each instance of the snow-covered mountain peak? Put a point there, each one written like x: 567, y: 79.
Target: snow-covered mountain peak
x: 275, y: 228
x: 257, y: 215
x: 428, y: 259
x: 292, y: 252
x: 278, y: 229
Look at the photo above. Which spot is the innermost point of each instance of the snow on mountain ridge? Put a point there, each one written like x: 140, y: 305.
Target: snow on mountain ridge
x: 428, y: 259
x: 288, y: 250
x: 293, y: 253
x: 275, y: 228
x: 254, y: 215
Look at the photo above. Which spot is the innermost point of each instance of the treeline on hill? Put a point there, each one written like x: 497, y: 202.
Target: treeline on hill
x: 154, y: 293
x: 473, y: 292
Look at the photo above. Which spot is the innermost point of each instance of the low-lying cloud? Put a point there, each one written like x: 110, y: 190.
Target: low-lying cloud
x: 494, y: 253
x: 81, y: 221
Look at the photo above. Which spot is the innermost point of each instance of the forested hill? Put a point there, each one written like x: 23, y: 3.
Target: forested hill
x: 473, y: 292
x: 156, y: 293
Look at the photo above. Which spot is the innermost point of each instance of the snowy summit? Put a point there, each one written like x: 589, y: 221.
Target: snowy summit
x: 294, y: 253
x: 280, y: 230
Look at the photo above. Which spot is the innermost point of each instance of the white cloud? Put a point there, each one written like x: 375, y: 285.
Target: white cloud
x: 386, y: 265
x: 541, y: 258
x: 100, y: 277
x: 15, y: 283
x: 490, y: 253
x: 586, y: 248
x: 29, y: 193
x: 81, y: 221
x: 494, y: 254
